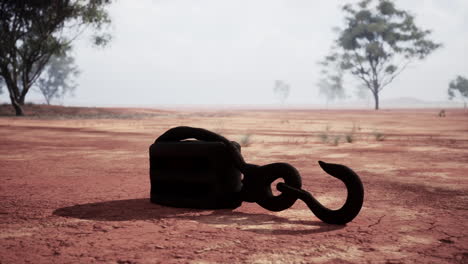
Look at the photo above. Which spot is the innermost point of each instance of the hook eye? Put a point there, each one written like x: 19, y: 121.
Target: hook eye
x: 270, y: 173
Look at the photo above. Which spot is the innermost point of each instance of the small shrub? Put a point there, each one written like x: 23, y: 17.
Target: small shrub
x: 245, y: 140
x: 379, y: 136
x: 219, y: 127
x: 350, y: 136
x: 324, y: 137
x: 336, y: 140
x: 442, y: 113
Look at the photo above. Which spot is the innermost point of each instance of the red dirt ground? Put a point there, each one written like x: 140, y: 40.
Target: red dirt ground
x: 76, y: 190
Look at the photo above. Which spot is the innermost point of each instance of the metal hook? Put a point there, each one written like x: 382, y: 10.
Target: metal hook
x: 354, y: 199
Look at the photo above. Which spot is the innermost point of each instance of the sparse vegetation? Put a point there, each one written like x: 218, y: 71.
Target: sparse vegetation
x: 329, y: 137
x: 334, y: 139
x: 350, y: 136
x: 42, y: 111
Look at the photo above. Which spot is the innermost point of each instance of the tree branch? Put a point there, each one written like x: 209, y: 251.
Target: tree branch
x: 362, y: 72
x: 394, y: 75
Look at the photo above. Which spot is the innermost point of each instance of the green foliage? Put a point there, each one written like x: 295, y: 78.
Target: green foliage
x: 458, y: 86
x: 377, y: 43
x: 34, y: 31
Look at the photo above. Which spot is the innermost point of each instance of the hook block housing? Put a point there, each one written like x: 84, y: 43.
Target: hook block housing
x: 194, y: 174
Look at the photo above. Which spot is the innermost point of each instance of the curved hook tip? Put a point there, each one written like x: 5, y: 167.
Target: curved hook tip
x: 331, y: 169
x: 322, y: 163
x: 354, y: 199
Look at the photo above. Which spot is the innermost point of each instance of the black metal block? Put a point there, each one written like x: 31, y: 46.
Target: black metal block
x: 194, y: 174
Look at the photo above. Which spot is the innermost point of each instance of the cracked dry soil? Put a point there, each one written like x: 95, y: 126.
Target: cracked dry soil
x: 76, y: 191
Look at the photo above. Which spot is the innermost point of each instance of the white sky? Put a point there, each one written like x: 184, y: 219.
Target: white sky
x: 231, y: 52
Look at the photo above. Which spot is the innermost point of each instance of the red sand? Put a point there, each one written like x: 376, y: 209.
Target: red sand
x: 76, y: 190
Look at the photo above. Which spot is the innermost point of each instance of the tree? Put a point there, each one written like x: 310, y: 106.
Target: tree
x: 32, y: 31
x: 57, y: 79
x: 459, y: 86
x: 331, y: 84
x: 281, y: 90
x: 377, y: 43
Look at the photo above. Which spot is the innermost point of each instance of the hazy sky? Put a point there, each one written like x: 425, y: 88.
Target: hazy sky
x: 231, y: 52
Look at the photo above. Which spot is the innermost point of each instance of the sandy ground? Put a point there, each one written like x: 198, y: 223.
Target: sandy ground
x: 76, y: 190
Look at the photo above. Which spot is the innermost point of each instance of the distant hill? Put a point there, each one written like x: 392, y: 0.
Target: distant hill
x: 410, y: 102
x: 400, y: 102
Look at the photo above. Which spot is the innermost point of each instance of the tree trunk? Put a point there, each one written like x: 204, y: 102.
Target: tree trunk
x: 13, y: 91
x: 22, y: 98
x: 376, y: 99
x: 18, y: 109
